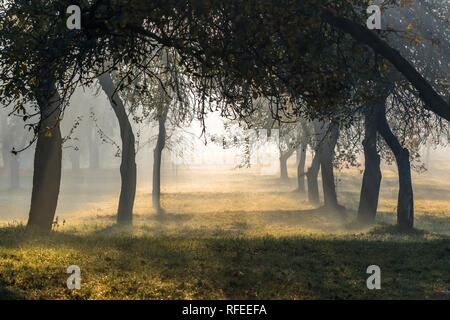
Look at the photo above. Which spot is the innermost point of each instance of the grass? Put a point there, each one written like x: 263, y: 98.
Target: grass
x: 159, y: 259
x: 261, y: 241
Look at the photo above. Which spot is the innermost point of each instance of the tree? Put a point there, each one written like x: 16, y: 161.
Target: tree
x: 370, y: 190
x: 433, y: 101
x: 414, y: 125
x: 128, y: 163
x: 326, y: 156
x: 233, y: 51
x: 301, y: 157
x: 47, y: 158
x: 161, y: 143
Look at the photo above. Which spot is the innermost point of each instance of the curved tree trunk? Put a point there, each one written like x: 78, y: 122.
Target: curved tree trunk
x: 370, y: 189
x: 157, y: 156
x: 405, y: 204
x: 47, y: 161
x: 311, y: 177
x: 326, y: 156
x: 128, y: 163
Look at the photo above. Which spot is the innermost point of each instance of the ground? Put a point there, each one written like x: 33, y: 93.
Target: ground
x: 226, y: 235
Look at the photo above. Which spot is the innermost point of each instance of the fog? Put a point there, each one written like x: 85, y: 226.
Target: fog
x: 192, y: 163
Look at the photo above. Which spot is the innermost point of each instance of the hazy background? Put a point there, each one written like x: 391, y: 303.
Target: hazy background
x: 195, y: 177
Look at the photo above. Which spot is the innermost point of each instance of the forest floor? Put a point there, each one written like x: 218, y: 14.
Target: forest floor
x: 233, y: 236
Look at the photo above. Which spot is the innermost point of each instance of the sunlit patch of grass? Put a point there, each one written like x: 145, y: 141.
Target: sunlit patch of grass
x: 238, y: 236
x: 174, y: 258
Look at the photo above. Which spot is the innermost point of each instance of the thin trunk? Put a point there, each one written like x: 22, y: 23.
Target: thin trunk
x: 283, y: 168
x: 311, y: 177
x: 47, y: 161
x: 405, y: 203
x: 157, y: 156
x: 326, y: 156
x: 128, y: 161
x: 301, y: 156
x: 370, y: 189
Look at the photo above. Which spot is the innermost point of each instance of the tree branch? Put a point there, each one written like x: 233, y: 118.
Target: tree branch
x: 433, y: 101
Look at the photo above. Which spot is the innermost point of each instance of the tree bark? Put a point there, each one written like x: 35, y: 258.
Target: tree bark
x: 405, y: 203
x: 283, y: 168
x: 326, y: 156
x: 128, y: 160
x: 301, y: 157
x: 157, y: 156
x: 311, y: 177
x: 370, y: 189
x: 433, y: 101
x: 47, y: 160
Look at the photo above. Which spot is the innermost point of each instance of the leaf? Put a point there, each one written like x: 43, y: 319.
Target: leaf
x: 410, y: 26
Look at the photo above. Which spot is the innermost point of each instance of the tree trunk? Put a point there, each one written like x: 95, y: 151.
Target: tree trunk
x: 15, y: 171
x: 301, y: 157
x: 370, y: 189
x: 283, y: 168
x: 47, y: 160
x: 157, y: 156
x: 128, y: 161
x: 311, y: 177
x: 405, y: 203
x: 326, y: 156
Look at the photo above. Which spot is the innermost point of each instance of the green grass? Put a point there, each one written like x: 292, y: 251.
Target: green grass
x: 227, y: 236
x: 120, y: 264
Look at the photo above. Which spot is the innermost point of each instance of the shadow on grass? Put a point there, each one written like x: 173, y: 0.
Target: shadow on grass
x: 432, y: 223
x: 325, y: 267
x: 165, y: 217
x: 9, y: 294
x: 390, y: 230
